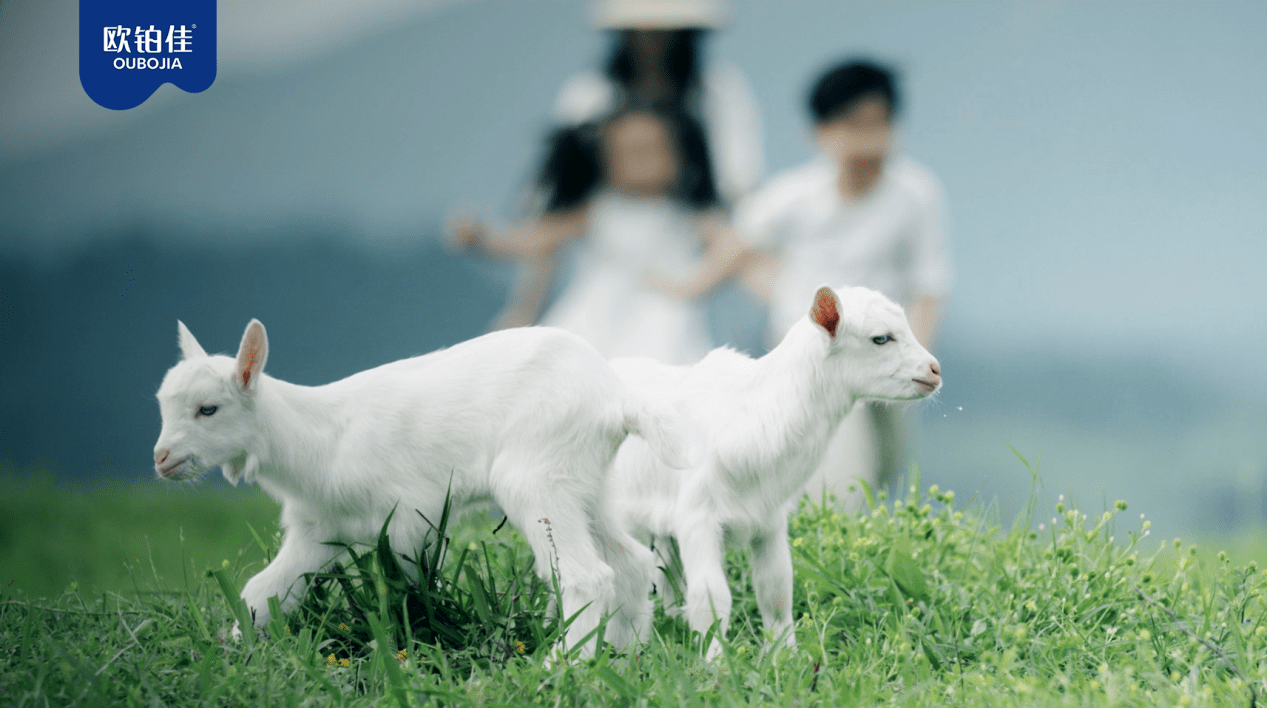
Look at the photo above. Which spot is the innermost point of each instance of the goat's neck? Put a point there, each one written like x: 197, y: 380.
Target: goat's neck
x: 801, y: 404
x: 296, y: 436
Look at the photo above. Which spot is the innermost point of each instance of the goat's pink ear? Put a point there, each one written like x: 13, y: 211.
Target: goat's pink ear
x: 189, y: 347
x: 252, y: 354
x: 826, y: 310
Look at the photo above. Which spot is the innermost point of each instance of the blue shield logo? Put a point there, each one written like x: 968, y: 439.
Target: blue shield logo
x: 128, y: 48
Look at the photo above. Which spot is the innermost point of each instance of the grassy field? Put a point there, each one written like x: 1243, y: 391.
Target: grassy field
x: 117, y: 538
x: 917, y: 602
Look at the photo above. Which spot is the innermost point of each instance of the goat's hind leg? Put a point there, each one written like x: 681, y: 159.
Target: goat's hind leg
x: 632, y: 563
x: 554, y: 517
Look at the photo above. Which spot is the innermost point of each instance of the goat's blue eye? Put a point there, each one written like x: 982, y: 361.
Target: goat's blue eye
x: 882, y: 339
x: 207, y: 410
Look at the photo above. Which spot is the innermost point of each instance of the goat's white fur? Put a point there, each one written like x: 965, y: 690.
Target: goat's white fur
x: 759, y: 428
x: 529, y: 418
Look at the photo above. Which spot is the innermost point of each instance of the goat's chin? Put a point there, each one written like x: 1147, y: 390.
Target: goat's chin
x: 912, y: 392
x: 183, y: 470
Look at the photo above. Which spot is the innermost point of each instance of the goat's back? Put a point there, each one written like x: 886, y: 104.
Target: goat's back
x: 461, y: 405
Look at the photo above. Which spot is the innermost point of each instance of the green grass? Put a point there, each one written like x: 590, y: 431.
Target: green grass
x: 104, y: 538
x: 917, y: 602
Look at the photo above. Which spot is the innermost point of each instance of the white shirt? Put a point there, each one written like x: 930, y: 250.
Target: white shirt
x: 731, y: 121
x: 892, y: 239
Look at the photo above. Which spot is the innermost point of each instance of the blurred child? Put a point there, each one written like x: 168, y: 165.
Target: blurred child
x: 856, y: 215
x: 657, y: 55
x: 637, y: 192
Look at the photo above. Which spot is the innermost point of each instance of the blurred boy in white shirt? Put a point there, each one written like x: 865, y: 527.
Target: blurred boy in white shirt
x: 855, y: 215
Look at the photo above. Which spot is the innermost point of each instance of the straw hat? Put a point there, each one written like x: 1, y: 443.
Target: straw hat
x: 658, y: 14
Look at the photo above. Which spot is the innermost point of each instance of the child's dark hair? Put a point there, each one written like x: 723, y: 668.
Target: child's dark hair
x: 695, y: 185
x: 573, y: 168
x: 844, y: 85
x: 681, y: 62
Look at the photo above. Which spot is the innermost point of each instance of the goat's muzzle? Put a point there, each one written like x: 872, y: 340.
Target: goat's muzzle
x: 932, y: 380
x: 173, y: 469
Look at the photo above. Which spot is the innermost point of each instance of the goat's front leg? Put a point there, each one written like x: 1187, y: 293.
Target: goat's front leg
x: 772, y: 580
x: 283, y: 577
x: 701, y: 543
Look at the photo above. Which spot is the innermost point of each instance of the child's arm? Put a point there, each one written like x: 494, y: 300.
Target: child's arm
x: 532, y: 239
x: 724, y: 255
x: 760, y: 269
x: 529, y: 296
x: 924, y: 312
x: 535, y: 242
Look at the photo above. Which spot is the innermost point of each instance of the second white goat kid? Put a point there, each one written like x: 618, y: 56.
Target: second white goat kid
x: 758, y: 429
x: 528, y: 418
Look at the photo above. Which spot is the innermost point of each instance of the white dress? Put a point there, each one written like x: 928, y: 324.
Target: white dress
x: 609, y: 302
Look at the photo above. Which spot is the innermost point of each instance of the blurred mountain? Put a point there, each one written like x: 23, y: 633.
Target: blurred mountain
x: 86, y: 340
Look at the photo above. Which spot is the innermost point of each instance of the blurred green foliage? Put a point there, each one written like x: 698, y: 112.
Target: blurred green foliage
x: 149, y: 536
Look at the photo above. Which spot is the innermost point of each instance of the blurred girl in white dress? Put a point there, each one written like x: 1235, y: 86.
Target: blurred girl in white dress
x: 657, y: 58
x: 637, y: 195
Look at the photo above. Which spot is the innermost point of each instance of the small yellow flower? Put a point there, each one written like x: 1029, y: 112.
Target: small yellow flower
x: 400, y: 655
x: 330, y: 660
x: 344, y: 627
x: 345, y: 663
x: 519, y: 647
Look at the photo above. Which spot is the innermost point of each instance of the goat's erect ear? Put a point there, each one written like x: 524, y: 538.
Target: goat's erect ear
x: 252, y: 354
x: 826, y: 310
x: 189, y: 347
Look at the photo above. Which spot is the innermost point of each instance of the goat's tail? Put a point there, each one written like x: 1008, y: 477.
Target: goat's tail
x: 662, y: 429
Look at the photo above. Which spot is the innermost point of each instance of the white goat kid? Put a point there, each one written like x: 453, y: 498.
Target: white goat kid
x: 530, y: 419
x: 759, y: 428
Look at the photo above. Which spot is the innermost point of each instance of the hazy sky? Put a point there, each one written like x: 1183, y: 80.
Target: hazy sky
x: 1105, y: 163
